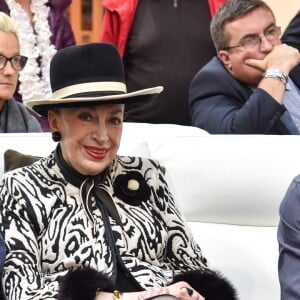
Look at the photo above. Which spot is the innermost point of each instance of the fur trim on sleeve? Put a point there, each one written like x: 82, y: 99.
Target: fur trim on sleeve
x: 82, y: 284
x: 210, y: 284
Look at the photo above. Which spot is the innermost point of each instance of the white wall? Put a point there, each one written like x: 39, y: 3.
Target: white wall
x: 284, y: 10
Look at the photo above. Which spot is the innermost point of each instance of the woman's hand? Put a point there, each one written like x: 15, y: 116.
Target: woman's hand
x: 180, y: 290
x: 153, y: 292
x: 183, y: 291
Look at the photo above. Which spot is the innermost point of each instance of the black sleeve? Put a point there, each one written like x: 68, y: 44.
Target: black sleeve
x: 291, y: 35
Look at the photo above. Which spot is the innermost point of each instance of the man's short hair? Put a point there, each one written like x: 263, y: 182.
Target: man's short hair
x: 229, y: 12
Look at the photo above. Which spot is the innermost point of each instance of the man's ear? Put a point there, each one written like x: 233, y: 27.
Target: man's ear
x: 224, y: 57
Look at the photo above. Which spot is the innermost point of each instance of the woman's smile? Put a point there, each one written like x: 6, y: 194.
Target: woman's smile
x: 96, y: 152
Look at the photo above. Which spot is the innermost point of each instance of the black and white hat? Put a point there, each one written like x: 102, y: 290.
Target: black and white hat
x: 88, y: 75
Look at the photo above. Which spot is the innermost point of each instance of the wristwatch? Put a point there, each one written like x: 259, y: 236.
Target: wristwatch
x: 276, y: 74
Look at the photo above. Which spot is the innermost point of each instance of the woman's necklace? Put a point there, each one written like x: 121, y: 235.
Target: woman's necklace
x: 35, y: 43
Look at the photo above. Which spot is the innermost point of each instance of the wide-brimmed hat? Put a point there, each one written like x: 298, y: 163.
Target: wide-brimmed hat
x: 89, y: 74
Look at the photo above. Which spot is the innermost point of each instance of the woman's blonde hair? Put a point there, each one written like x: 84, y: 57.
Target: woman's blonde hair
x: 7, y: 25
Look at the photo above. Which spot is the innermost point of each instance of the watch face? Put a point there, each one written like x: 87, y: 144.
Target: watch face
x: 276, y: 74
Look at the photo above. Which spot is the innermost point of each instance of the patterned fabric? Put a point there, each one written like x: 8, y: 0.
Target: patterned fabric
x: 49, y: 229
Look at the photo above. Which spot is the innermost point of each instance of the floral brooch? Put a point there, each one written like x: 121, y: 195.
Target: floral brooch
x: 131, y: 188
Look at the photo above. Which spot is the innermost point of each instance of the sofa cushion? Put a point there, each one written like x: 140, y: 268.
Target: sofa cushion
x: 14, y: 159
x: 230, y: 179
x: 247, y: 255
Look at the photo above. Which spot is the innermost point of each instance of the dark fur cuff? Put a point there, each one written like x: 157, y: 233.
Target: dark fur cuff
x: 82, y: 284
x: 210, y: 284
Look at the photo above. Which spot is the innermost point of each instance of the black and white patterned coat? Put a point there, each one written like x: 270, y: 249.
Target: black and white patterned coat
x: 49, y: 230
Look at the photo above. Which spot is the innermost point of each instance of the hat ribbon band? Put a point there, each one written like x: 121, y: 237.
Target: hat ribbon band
x: 90, y: 87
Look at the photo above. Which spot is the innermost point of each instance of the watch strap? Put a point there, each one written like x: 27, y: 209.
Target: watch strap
x: 276, y: 74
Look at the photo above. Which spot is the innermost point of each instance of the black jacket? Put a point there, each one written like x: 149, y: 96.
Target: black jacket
x: 291, y: 35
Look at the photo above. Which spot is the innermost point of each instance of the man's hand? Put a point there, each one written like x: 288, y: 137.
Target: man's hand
x: 282, y: 57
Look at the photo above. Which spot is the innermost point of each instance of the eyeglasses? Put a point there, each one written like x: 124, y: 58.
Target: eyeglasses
x: 17, y: 62
x: 271, y: 34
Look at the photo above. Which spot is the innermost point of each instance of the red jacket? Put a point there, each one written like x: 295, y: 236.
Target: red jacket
x: 118, y: 18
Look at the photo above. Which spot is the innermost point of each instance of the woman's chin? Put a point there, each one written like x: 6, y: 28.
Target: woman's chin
x: 92, y: 168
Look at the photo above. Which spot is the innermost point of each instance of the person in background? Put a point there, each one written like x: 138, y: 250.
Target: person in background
x: 288, y: 236
x: 288, y: 229
x: 291, y: 34
x: 161, y: 42
x: 86, y: 209
x: 43, y: 29
x: 14, y: 116
x: 252, y: 85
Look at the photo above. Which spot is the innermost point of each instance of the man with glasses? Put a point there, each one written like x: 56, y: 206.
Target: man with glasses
x: 14, y: 117
x: 252, y: 86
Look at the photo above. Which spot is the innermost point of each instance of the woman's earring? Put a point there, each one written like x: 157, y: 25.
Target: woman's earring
x: 56, y: 136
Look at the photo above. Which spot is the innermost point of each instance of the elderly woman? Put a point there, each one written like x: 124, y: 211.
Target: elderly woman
x: 86, y: 208
x: 14, y: 117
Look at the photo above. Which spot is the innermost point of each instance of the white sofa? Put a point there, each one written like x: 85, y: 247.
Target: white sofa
x: 229, y: 187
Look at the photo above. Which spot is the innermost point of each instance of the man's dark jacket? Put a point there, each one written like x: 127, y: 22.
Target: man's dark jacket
x: 291, y: 35
x: 218, y: 103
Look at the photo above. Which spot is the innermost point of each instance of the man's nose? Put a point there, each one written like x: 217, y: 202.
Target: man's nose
x: 265, y: 44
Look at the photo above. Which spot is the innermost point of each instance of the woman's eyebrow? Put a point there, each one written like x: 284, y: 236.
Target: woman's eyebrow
x: 117, y: 111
